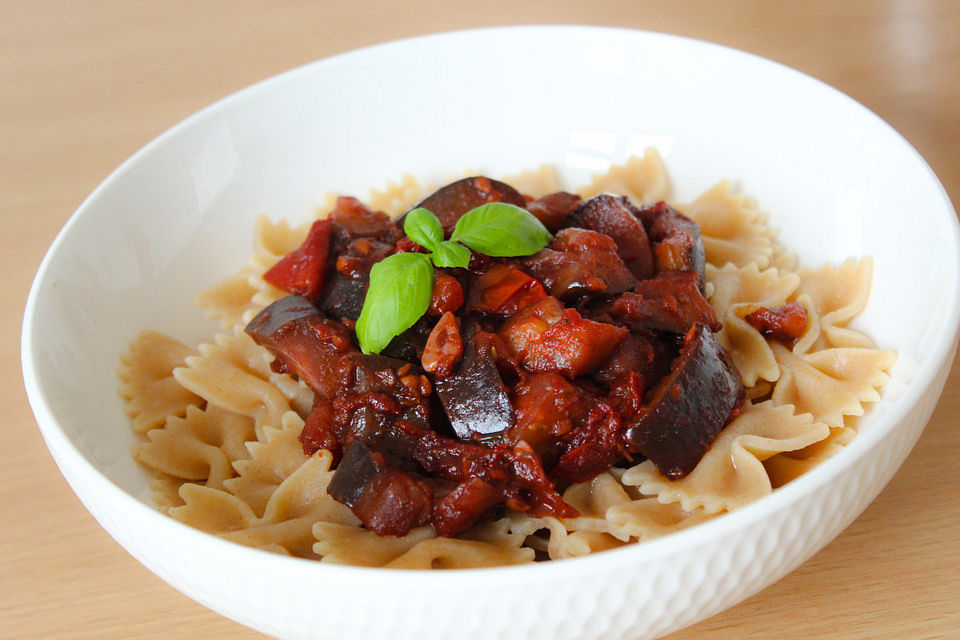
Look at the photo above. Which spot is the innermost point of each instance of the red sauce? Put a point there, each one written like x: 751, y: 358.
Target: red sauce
x: 525, y: 376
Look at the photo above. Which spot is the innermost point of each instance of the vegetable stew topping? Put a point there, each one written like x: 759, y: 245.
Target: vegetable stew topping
x: 496, y: 349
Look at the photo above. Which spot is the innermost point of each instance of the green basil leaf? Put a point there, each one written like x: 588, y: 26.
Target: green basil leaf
x: 450, y: 254
x: 400, y: 289
x: 501, y: 230
x: 423, y: 227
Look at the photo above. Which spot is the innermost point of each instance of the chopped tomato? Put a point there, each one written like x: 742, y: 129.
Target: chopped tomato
x: 503, y: 290
x: 304, y: 269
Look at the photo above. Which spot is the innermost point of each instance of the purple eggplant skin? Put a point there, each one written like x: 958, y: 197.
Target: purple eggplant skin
x: 354, y: 474
x: 386, y: 499
x: 449, y: 203
x: 343, y: 296
x: 670, y: 301
x: 287, y: 309
x: 677, y: 244
x: 689, y: 407
x: 577, y: 263
x: 474, y: 397
x: 305, y: 341
x: 615, y: 217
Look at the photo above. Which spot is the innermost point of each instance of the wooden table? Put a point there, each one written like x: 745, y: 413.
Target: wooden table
x: 85, y: 84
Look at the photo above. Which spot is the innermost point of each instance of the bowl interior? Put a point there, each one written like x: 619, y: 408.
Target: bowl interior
x: 178, y: 216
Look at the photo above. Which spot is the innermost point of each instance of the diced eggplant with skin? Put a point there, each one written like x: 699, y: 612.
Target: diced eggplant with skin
x: 635, y: 354
x: 343, y: 295
x: 353, y: 220
x: 474, y: 396
x: 677, y: 242
x: 465, y: 504
x: 385, y: 498
x: 342, y: 298
x: 670, y: 301
x: 521, y: 330
x: 552, y: 210
x: 574, y: 346
x: 305, y: 342
x: 580, y: 262
x: 614, y: 216
x: 689, y: 407
x: 449, y: 203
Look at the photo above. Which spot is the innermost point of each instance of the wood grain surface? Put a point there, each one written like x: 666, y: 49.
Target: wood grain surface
x: 85, y: 84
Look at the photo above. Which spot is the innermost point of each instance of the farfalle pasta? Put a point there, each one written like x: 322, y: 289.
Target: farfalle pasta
x: 220, y: 427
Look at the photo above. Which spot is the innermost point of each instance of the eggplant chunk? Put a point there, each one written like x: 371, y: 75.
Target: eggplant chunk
x: 580, y: 262
x: 553, y: 209
x: 409, y: 345
x: 386, y: 499
x: 613, y: 216
x: 670, y: 301
x: 452, y: 201
x: 306, y: 342
x: 689, y: 407
x: 343, y: 295
x: 474, y: 396
x: 677, y: 242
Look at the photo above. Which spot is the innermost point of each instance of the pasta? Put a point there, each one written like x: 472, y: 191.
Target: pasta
x: 220, y: 428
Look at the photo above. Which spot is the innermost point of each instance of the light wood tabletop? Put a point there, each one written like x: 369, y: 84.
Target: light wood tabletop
x: 85, y: 84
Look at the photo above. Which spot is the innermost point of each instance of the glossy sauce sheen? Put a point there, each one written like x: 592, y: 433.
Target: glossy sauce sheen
x: 524, y: 376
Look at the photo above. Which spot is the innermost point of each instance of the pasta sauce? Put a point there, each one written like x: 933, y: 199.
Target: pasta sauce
x: 526, y: 381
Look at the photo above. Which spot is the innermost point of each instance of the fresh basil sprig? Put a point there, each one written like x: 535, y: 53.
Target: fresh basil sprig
x: 424, y: 228
x: 451, y: 254
x: 401, y: 285
x: 501, y: 230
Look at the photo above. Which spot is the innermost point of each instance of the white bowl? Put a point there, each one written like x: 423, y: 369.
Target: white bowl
x: 179, y: 215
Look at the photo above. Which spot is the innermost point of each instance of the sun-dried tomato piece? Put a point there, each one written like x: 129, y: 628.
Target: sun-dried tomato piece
x: 592, y: 448
x: 787, y: 322
x: 303, y: 270
x: 464, y: 505
x: 319, y: 431
x: 503, y: 290
x: 447, y: 294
